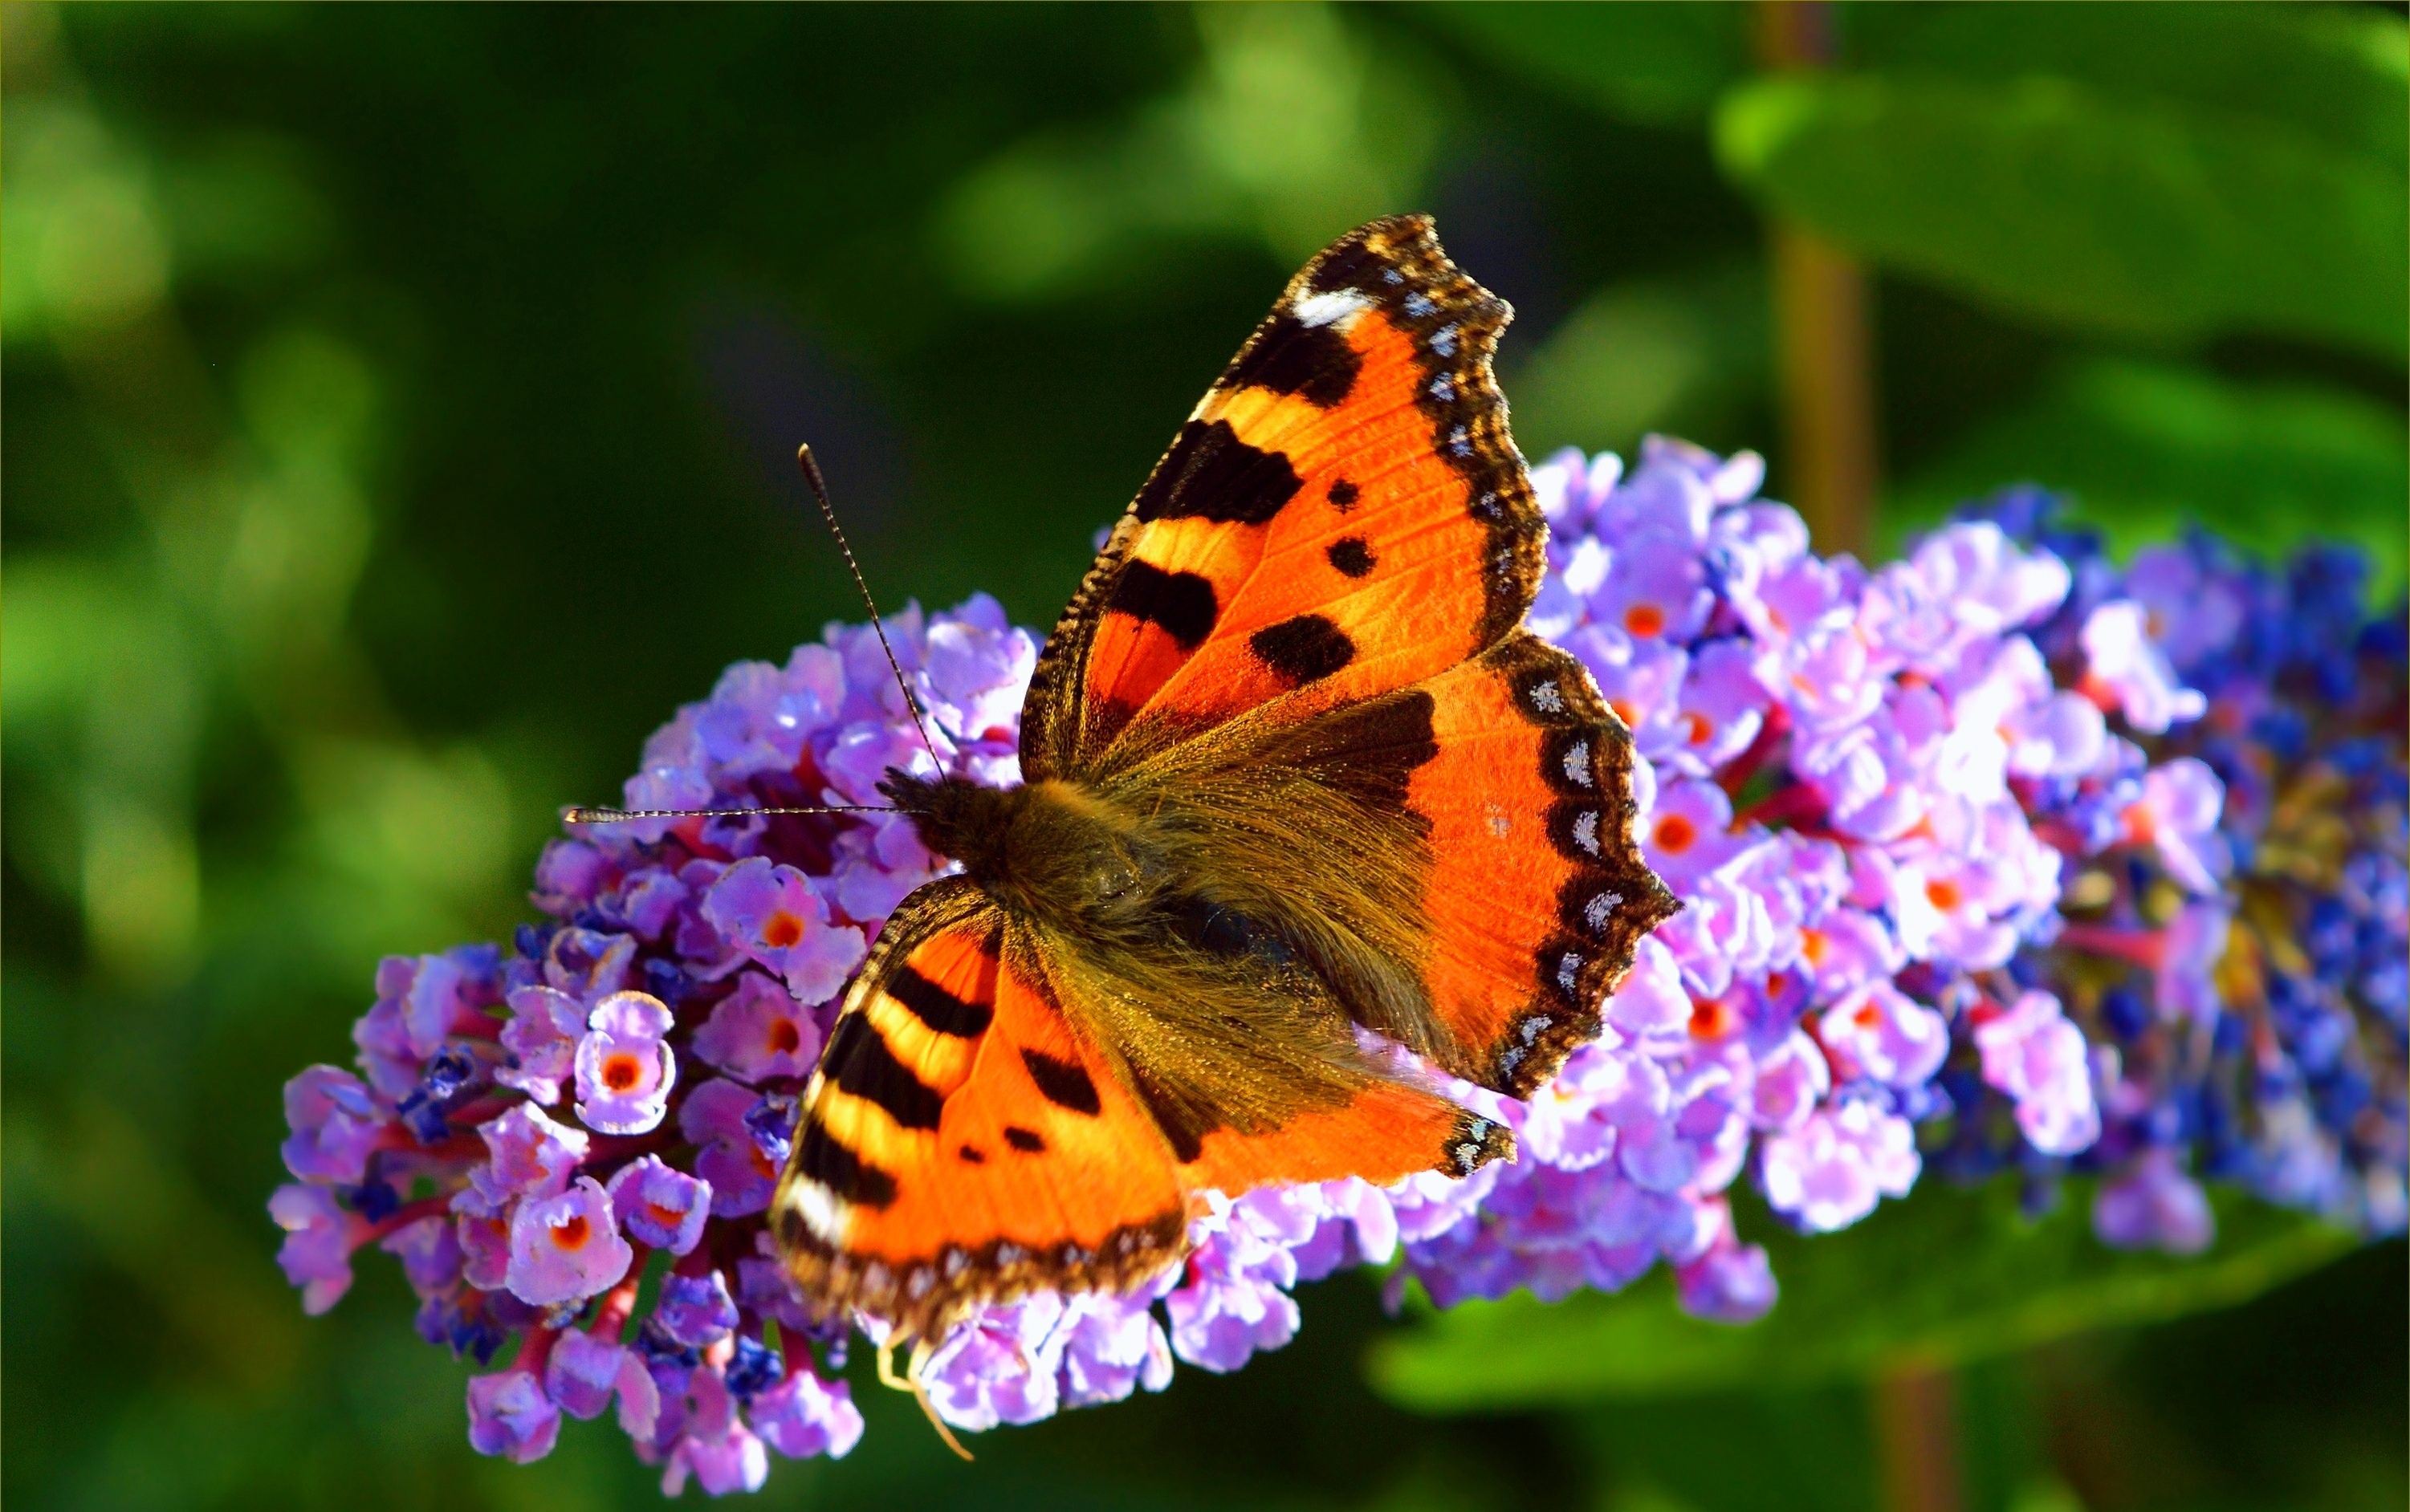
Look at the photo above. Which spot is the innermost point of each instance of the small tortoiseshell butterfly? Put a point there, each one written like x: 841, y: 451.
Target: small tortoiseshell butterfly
x: 1292, y: 768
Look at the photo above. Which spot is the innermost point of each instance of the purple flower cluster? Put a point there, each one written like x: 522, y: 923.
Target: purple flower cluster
x: 1995, y: 856
x: 2237, y: 910
x: 1838, y: 764
x: 541, y: 1130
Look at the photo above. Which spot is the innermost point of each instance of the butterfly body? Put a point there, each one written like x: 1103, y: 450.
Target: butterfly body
x: 1055, y: 851
x: 1293, y: 774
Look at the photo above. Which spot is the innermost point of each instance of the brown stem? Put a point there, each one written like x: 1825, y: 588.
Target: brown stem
x: 1822, y: 330
x: 1916, y: 1438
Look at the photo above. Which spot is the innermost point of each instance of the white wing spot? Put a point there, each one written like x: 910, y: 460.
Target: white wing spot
x: 1577, y: 764
x: 1007, y: 1254
x: 1533, y: 1026
x: 1467, y: 1154
x: 1443, y: 388
x: 1569, y: 971
x: 954, y: 1262
x: 1333, y: 308
x: 821, y: 1209
x: 1586, y: 832
x: 1596, y: 910
x: 1499, y: 824
x: 1443, y: 340
x: 1548, y: 697
x: 1418, y: 304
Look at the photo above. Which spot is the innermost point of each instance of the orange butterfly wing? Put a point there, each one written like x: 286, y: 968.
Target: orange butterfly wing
x: 1387, y: 1132
x: 959, y: 1142
x: 1538, y: 894
x: 1343, y: 515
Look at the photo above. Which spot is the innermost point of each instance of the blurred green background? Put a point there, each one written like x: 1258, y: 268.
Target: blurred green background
x: 399, y: 405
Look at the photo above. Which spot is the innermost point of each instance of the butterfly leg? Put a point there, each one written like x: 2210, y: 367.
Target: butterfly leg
x: 910, y: 1380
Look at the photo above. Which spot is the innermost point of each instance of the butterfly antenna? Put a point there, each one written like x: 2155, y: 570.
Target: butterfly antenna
x: 911, y: 1381
x: 587, y: 815
x: 820, y: 491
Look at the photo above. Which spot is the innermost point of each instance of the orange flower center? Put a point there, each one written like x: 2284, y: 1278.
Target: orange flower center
x: 1644, y: 620
x: 2142, y: 827
x: 1625, y: 711
x: 574, y: 1233
x: 1674, y: 832
x: 1867, y: 1016
x: 1711, y: 1018
x: 1814, y: 946
x: 1942, y: 894
x: 1698, y: 725
x: 622, y: 1071
x: 662, y: 1216
x: 783, y: 929
x: 785, y: 1038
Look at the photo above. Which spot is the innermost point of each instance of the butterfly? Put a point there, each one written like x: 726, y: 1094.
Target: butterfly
x: 1291, y: 771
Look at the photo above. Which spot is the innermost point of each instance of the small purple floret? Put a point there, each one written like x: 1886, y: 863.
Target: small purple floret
x: 319, y: 1240
x: 775, y: 914
x: 660, y: 1207
x: 335, y: 1123
x: 760, y: 1031
x: 624, y: 1070
x: 804, y: 1416
x: 509, y: 1415
x: 696, y: 1310
x: 583, y: 1373
x: 566, y: 1247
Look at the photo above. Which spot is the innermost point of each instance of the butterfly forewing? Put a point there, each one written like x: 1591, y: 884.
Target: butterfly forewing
x: 1346, y: 514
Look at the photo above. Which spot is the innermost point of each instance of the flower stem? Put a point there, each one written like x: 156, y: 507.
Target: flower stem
x: 1916, y: 1438
x: 1823, y: 335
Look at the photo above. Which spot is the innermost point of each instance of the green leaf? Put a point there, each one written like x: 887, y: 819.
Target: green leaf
x: 2341, y: 74
x: 2055, y: 199
x: 1652, y: 64
x: 2145, y: 449
x: 1948, y: 1276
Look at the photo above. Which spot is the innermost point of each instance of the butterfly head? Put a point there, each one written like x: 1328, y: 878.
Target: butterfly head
x: 1054, y: 849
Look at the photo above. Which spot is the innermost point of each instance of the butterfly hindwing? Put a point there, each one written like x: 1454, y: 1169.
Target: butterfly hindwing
x: 1537, y: 893
x: 959, y: 1142
x: 1457, y: 858
x: 1343, y: 515
x: 1387, y: 1131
